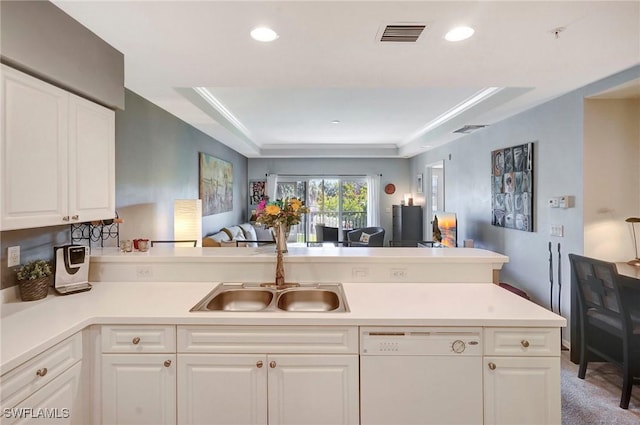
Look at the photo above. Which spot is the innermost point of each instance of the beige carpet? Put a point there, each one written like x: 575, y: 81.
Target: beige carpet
x: 596, y: 399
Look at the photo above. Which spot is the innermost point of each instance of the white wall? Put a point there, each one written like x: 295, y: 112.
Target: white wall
x: 556, y: 128
x: 393, y: 170
x: 611, y: 178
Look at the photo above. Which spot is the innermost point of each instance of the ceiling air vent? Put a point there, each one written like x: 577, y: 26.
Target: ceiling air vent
x: 402, y: 33
x: 470, y: 128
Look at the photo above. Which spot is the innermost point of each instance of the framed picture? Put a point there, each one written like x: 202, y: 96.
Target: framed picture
x: 512, y: 187
x: 256, y: 191
x: 419, y: 183
x: 216, y: 184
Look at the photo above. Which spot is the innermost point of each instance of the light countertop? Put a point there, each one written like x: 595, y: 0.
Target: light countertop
x: 300, y: 254
x: 27, y: 328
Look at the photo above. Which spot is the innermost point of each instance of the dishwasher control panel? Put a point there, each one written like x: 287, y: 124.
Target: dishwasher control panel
x: 420, y: 341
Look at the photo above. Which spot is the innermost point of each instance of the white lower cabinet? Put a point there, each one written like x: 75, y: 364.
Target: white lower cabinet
x: 222, y: 389
x: 138, y: 374
x: 522, y: 376
x: 253, y: 389
x: 52, y: 404
x: 234, y: 384
x: 307, y: 389
x: 46, y: 388
x: 522, y: 390
x: 138, y: 389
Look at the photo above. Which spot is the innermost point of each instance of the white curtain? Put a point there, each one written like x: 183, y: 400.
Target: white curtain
x: 272, y: 185
x: 373, y: 200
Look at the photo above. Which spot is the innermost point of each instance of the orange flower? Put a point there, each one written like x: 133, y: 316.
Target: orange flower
x: 295, y: 204
x: 272, y: 209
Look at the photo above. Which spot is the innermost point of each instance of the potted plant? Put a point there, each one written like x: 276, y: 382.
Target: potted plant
x: 33, y: 278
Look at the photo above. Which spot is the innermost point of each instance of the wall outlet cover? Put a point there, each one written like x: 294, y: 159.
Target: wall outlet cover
x: 13, y: 256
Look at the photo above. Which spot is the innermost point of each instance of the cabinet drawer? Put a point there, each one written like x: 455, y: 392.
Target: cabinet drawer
x: 24, y: 380
x: 138, y: 339
x: 262, y: 339
x: 522, y: 342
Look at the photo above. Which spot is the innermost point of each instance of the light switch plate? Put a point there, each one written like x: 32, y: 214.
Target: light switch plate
x: 13, y: 256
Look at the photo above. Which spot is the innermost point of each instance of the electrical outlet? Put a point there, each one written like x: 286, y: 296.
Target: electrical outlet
x: 144, y: 272
x: 557, y: 230
x: 13, y: 256
x: 360, y: 272
x: 398, y: 274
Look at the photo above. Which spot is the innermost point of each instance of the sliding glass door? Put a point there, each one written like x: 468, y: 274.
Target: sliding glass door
x: 334, y: 202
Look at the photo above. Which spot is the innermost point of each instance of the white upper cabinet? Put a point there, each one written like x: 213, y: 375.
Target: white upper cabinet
x: 57, y: 160
x: 91, y: 161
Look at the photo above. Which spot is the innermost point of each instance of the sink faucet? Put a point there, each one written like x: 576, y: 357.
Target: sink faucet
x: 280, y: 282
x: 279, y: 268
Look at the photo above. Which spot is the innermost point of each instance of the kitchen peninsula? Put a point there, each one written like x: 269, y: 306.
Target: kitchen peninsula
x: 134, y: 347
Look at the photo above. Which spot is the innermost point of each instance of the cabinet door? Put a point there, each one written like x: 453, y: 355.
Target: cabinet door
x: 223, y: 389
x: 138, y: 389
x: 522, y: 390
x: 91, y: 161
x: 311, y: 389
x: 57, y: 402
x: 33, y: 157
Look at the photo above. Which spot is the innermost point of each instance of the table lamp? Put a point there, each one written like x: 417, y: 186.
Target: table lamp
x: 633, y: 221
x: 187, y: 220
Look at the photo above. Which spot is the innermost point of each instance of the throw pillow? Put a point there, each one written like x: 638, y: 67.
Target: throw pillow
x: 364, y: 237
x: 249, y: 233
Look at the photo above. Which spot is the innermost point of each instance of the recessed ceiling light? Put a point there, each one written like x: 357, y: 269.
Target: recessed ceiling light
x: 459, y: 34
x: 264, y: 34
x: 336, y: 122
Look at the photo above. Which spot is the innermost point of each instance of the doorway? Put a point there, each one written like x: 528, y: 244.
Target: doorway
x: 434, y: 194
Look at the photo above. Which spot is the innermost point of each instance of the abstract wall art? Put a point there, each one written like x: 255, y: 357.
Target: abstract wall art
x: 512, y: 187
x: 257, y: 191
x: 216, y: 184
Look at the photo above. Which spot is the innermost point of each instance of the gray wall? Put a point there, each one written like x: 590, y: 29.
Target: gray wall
x: 556, y: 127
x: 40, y: 39
x: 157, y: 162
x: 393, y: 170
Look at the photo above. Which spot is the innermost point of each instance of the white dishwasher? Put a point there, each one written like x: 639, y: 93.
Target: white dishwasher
x: 420, y: 375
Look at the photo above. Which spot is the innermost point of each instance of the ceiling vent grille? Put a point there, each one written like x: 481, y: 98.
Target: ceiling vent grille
x: 402, y: 33
x: 470, y: 128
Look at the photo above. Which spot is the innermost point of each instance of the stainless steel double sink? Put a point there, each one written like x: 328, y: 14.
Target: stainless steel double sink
x: 256, y: 297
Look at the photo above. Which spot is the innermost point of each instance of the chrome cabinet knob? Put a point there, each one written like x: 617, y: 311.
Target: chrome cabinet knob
x: 167, y: 363
x: 42, y: 372
x: 136, y: 340
x: 272, y: 364
x: 492, y: 366
x: 524, y: 343
x: 259, y: 364
x: 65, y: 218
x: 75, y: 217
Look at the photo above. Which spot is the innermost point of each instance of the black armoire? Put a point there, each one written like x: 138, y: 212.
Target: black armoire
x: 407, y: 225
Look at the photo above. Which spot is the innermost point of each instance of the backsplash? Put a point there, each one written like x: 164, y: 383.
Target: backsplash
x: 34, y: 244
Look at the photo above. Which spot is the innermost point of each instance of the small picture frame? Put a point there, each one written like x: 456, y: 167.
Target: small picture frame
x: 419, y: 183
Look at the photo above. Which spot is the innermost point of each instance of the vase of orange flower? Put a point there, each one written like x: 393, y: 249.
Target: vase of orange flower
x: 280, y: 215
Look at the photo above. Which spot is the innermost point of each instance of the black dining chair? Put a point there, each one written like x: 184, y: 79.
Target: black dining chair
x: 609, y: 322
